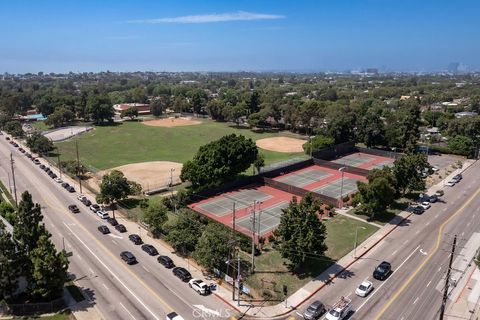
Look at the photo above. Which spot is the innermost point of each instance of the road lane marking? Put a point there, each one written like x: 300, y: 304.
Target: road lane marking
x: 131, y: 315
x: 116, y: 277
x: 415, y: 301
x: 439, y: 269
x: 105, y: 286
x: 423, y: 252
x: 114, y: 242
x: 429, y: 283
x: 91, y: 271
x: 422, y: 265
x: 426, y: 224
x: 393, y: 253
x: 436, y: 216
x: 145, y: 268
x: 463, y: 233
x: 468, y: 224
x: 406, y: 241
x: 383, y: 283
x: 418, y: 231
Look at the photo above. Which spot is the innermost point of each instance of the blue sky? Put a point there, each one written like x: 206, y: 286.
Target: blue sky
x: 176, y: 35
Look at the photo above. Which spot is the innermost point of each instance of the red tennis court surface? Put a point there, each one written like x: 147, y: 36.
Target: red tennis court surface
x: 323, y: 180
x: 268, y: 208
x: 364, y: 160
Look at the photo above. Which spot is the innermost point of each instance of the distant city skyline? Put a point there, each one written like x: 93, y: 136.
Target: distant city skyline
x: 270, y: 35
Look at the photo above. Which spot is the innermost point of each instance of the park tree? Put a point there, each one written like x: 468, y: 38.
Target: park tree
x: 370, y: 129
x: 301, y: 234
x: 198, y: 100
x: 40, y: 144
x: 253, y: 102
x: 28, y: 226
x: 467, y: 126
x: 212, y: 248
x: 184, y: 232
x: 259, y: 162
x: 340, y: 124
x: 376, y: 195
x: 99, y: 108
x: 462, y: 145
x: 49, y: 270
x: 215, y: 109
x: 59, y: 117
x: 116, y: 187
x: 154, y: 216
x: 131, y: 112
x: 219, y: 161
x: 408, y: 172
x: 14, y: 128
x: 10, y: 267
x: 409, y: 126
x: 317, y: 143
x: 234, y: 113
x: 74, y: 167
x: 160, y: 105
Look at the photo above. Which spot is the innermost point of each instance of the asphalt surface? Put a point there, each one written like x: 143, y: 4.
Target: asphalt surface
x: 419, y: 253
x: 145, y: 290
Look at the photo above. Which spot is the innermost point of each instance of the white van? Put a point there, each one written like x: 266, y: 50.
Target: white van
x: 102, y: 214
x: 173, y: 316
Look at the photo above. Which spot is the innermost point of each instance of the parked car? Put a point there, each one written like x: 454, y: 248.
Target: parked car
x: 458, y: 177
x: 439, y: 193
x: 451, y: 183
x: 81, y: 197
x: 28, y: 155
x: 418, y: 210
x: 433, y: 198
x: 166, y: 262
x: 135, y: 238
x: 199, y: 286
x: 36, y: 161
x: 435, y: 169
x: 21, y: 150
x: 102, y: 214
x: 95, y: 207
x: 112, y: 221
x: 364, y: 289
x: 182, y: 274
x: 128, y: 257
x: 70, y: 189
x: 42, y: 166
x: 86, y: 202
x: 151, y: 250
x: 58, y: 180
x: 73, y: 208
x: 65, y: 185
x: 425, y: 205
x: 104, y: 229
x: 382, y: 271
x: 121, y: 228
x: 314, y: 311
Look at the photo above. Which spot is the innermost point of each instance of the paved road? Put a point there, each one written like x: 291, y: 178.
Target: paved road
x: 143, y: 291
x: 419, y: 252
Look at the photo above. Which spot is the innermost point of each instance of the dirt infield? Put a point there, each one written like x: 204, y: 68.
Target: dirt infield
x: 172, y: 122
x: 281, y: 144
x: 151, y: 175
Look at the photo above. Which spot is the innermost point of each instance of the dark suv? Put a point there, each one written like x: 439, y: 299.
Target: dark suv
x: 73, y: 208
x: 128, y: 257
x: 151, y: 250
x: 166, y: 262
x: 182, y: 274
x: 314, y: 311
x: 135, y: 238
x: 418, y: 210
x: 113, y: 222
x: 382, y: 271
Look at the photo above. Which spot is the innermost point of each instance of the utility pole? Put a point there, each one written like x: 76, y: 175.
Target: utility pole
x: 238, y: 279
x: 253, y: 237
x: 447, y: 279
x: 13, y: 177
x: 78, y: 166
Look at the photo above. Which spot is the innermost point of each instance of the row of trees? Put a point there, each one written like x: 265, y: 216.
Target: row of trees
x: 30, y: 253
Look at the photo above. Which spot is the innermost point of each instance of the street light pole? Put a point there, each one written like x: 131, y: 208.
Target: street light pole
x: 355, y: 244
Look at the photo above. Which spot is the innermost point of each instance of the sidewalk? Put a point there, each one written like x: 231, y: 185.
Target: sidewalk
x: 315, y: 285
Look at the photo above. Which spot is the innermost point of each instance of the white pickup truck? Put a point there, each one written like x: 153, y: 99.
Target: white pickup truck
x: 340, y: 310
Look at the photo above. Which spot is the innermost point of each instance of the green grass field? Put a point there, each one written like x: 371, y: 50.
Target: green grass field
x: 271, y: 268
x: 131, y: 142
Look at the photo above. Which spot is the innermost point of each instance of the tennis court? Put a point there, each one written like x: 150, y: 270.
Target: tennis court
x: 335, y: 190
x: 304, y: 177
x: 266, y: 219
x: 223, y: 205
x: 364, y: 161
x: 354, y: 159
